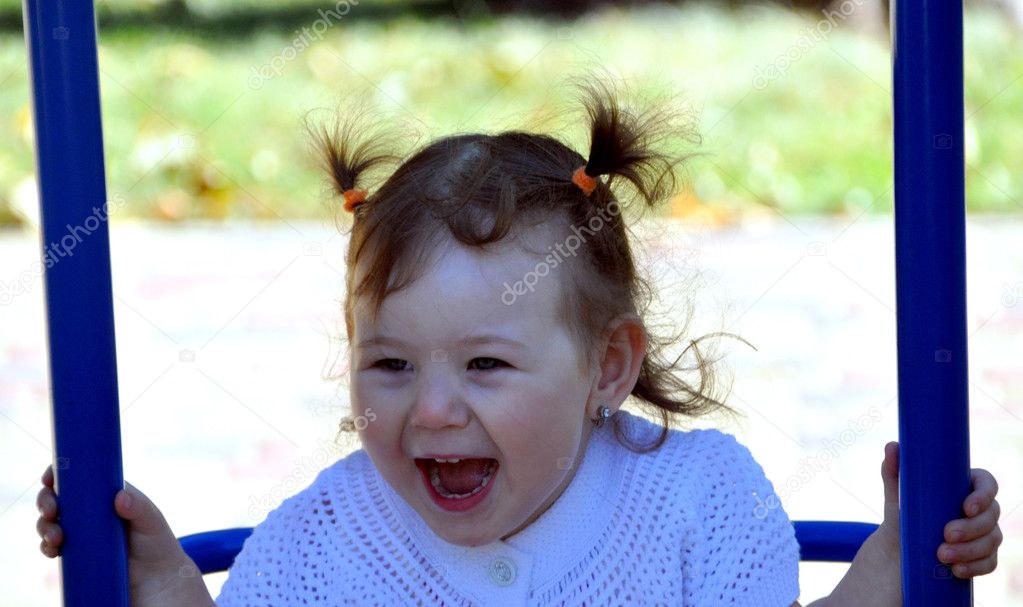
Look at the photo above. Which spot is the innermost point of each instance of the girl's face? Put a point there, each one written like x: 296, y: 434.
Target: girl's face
x: 438, y: 381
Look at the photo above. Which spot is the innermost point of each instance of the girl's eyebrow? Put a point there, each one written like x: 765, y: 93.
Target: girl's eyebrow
x: 383, y: 340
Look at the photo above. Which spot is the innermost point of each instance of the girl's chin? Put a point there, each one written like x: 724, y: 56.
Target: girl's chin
x: 454, y: 530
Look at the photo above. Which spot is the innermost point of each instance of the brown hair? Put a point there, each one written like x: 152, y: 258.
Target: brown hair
x: 481, y: 189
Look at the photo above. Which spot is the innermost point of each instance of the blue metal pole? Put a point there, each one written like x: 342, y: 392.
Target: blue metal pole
x: 836, y: 541
x: 61, y: 39
x: 930, y: 272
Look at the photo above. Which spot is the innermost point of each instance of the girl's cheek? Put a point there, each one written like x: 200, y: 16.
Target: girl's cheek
x: 380, y: 442
x: 362, y: 397
x: 376, y: 423
x: 362, y: 407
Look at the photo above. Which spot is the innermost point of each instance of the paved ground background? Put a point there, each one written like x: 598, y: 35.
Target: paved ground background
x: 224, y: 336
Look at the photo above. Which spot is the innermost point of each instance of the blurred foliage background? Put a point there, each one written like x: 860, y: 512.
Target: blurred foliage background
x: 202, y: 100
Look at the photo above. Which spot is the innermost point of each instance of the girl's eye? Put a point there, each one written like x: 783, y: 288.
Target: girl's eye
x: 385, y: 363
x: 490, y: 363
x: 397, y: 364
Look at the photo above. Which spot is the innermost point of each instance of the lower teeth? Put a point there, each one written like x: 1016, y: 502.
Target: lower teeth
x: 435, y: 481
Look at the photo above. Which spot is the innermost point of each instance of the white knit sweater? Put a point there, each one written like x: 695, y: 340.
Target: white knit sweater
x: 683, y: 525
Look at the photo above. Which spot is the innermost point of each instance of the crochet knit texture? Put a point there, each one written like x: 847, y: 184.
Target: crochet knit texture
x: 687, y: 524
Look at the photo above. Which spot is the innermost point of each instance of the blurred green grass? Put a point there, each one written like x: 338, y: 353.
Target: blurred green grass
x: 186, y: 136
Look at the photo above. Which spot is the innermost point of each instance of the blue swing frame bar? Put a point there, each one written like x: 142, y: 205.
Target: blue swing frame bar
x: 927, y: 76
x: 61, y: 39
x: 930, y: 277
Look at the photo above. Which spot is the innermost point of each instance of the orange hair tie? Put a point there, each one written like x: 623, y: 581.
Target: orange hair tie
x: 584, y: 181
x: 353, y: 198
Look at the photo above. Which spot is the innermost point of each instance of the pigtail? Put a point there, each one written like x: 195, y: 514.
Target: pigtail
x: 626, y: 146
x: 349, y: 146
x: 637, y: 149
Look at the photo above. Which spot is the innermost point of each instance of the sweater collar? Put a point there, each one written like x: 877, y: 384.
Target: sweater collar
x: 506, y: 570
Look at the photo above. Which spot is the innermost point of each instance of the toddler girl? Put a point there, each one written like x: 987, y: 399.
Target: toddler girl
x: 495, y: 316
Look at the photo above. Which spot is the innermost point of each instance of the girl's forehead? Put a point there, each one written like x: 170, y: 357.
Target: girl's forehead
x: 464, y: 291
x: 452, y: 266
x: 461, y: 290
x: 466, y: 303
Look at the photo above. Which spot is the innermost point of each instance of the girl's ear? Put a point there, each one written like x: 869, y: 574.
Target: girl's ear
x: 620, y: 361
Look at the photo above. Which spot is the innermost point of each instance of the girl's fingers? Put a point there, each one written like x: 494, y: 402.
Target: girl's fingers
x: 981, y: 567
x: 966, y: 529
x: 985, y: 487
x: 966, y: 552
x: 45, y: 504
x: 50, y: 532
x: 48, y: 550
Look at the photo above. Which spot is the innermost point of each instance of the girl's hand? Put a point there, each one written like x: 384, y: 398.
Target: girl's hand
x: 971, y: 544
x: 159, y: 571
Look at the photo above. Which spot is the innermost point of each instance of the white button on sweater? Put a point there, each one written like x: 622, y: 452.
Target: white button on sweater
x: 688, y: 524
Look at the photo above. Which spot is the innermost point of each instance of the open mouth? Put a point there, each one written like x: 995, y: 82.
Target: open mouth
x: 458, y: 480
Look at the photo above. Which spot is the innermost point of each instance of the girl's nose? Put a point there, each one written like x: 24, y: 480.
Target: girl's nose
x: 439, y: 412
x: 438, y: 404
